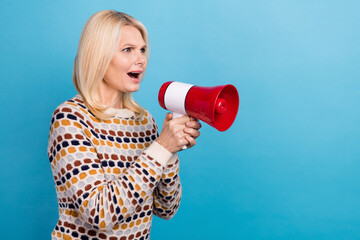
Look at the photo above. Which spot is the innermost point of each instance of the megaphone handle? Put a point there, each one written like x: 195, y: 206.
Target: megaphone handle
x: 176, y: 115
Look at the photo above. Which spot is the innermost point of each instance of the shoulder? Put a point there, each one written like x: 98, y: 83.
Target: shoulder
x: 73, y: 109
x: 73, y: 104
x: 149, y: 122
x: 148, y: 117
x: 147, y: 114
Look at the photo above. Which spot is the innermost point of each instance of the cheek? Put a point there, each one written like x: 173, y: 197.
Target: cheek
x: 121, y: 65
x: 145, y: 65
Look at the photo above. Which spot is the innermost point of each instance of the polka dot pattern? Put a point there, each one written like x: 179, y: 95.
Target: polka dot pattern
x: 109, y: 179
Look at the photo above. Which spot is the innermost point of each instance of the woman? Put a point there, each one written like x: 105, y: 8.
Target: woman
x: 111, y: 168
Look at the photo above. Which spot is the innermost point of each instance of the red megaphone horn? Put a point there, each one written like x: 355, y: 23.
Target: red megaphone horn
x: 217, y: 106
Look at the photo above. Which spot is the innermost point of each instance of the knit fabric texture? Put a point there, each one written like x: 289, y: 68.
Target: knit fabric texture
x: 110, y: 175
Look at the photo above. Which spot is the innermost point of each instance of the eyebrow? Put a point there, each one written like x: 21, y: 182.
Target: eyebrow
x: 132, y: 45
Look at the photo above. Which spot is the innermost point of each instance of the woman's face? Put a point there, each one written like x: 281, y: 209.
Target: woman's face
x: 128, y: 63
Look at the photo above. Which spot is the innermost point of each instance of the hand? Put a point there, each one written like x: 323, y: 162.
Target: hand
x: 192, y: 129
x: 178, y: 132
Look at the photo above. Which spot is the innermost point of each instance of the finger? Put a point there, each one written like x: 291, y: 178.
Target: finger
x: 191, y: 141
x: 194, y: 124
x: 182, y: 120
x: 182, y: 143
x: 192, y: 132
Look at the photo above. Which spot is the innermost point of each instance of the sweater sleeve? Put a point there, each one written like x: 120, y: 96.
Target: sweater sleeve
x: 82, y: 184
x: 167, y: 195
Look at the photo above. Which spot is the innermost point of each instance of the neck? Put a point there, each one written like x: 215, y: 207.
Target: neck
x: 110, y: 97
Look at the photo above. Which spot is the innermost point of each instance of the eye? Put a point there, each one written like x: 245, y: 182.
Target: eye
x: 126, y: 49
x: 143, y: 50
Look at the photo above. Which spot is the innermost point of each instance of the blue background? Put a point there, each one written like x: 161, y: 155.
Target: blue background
x: 289, y: 167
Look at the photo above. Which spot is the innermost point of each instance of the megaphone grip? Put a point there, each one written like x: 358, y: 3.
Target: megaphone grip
x: 176, y: 115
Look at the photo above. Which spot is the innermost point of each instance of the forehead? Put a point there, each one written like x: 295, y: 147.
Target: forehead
x: 131, y: 35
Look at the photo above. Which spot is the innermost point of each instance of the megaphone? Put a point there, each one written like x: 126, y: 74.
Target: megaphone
x: 217, y: 106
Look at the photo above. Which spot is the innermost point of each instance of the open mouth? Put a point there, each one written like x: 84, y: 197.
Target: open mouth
x: 134, y: 75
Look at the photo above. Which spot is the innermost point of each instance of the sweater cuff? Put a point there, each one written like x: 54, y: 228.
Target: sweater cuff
x: 173, y: 159
x: 159, y: 153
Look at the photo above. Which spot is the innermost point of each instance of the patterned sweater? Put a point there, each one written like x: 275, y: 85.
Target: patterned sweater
x: 110, y: 175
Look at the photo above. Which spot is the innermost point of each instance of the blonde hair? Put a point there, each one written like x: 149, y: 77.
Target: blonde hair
x: 98, y: 43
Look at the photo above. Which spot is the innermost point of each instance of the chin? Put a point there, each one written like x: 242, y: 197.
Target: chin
x: 133, y: 89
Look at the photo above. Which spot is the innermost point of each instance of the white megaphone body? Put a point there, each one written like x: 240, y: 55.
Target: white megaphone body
x: 217, y: 106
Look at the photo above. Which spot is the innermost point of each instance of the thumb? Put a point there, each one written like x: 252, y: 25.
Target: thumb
x: 169, y: 116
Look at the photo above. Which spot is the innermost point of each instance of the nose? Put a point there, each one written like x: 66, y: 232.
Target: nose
x: 140, y: 59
